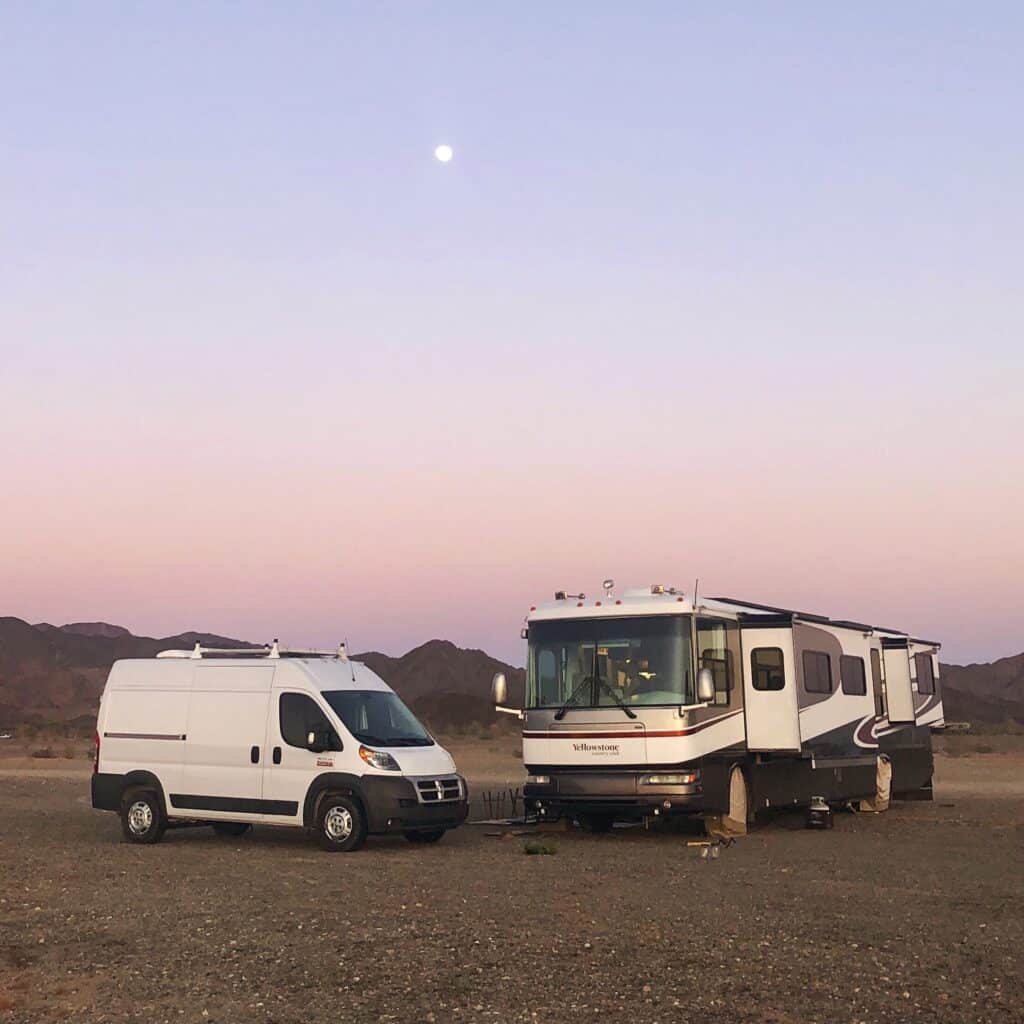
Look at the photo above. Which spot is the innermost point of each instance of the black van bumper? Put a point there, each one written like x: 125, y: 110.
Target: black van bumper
x: 392, y: 806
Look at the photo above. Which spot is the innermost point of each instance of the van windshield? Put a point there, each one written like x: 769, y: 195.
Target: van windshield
x: 378, y: 717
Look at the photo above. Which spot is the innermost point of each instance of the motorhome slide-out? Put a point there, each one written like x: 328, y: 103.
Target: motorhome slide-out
x: 649, y: 704
x: 305, y: 739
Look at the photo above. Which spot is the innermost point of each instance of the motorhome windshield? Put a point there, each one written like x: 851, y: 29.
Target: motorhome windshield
x: 603, y: 662
x: 378, y: 717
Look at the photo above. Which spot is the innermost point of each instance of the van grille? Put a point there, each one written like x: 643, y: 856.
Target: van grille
x: 439, y: 791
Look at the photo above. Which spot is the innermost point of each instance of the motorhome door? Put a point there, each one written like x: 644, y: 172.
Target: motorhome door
x: 769, y: 689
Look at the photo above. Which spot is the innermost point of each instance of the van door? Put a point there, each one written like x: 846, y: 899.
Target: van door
x: 224, y: 746
x: 769, y: 689
x: 291, y: 766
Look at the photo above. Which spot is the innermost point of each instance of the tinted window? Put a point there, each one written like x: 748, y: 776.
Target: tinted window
x: 766, y: 668
x: 378, y: 717
x: 817, y: 672
x: 925, y: 675
x: 299, y: 716
x: 851, y: 675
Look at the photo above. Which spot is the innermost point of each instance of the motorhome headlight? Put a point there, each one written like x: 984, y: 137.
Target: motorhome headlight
x: 671, y: 779
x: 538, y: 780
x: 379, y: 759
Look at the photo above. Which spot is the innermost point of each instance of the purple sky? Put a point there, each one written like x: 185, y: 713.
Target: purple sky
x: 735, y: 295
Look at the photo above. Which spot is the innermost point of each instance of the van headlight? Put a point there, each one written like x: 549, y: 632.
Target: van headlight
x: 379, y: 759
x: 671, y: 779
x: 538, y: 780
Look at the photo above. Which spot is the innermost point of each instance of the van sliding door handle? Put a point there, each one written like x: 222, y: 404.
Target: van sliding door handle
x: 254, y: 755
x: 277, y: 755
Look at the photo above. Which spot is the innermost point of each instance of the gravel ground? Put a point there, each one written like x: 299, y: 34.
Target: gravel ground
x: 911, y: 915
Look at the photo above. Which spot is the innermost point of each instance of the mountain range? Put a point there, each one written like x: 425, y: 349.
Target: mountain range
x: 55, y: 674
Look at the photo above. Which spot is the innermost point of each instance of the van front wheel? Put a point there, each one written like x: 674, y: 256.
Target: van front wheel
x: 341, y: 824
x: 142, y: 820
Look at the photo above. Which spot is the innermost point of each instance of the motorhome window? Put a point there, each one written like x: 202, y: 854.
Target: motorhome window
x: 817, y: 672
x: 601, y: 662
x: 299, y: 716
x: 378, y: 718
x: 851, y: 675
x: 925, y: 675
x: 713, y: 644
x: 766, y: 668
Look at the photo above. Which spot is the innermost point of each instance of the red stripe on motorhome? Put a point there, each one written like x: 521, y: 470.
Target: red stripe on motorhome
x: 635, y: 734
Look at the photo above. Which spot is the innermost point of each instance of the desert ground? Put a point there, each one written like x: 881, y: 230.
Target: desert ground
x: 911, y: 915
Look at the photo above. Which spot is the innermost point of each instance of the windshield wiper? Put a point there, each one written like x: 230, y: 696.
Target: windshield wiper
x: 615, y: 697
x: 560, y: 713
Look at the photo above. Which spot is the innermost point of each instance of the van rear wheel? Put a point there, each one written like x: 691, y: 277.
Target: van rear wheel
x: 341, y: 824
x: 429, y: 836
x: 142, y: 819
x: 230, y: 828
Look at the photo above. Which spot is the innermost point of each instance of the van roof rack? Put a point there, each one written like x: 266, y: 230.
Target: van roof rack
x: 274, y: 650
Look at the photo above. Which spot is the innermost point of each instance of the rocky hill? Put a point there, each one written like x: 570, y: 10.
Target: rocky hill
x: 56, y: 673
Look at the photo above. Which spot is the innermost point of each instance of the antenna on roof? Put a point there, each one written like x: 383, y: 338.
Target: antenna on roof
x: 696, y: 583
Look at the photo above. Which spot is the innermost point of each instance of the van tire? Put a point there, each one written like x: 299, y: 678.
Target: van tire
x: 340, y: 824
x: 430, y: 836
x: 230, y: 828
x: 142, y: 817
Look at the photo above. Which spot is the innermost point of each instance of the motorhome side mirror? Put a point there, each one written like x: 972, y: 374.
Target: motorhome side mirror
x: 705, y: 686
x: 499, y: 688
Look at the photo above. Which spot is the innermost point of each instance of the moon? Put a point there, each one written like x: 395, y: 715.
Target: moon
x: 444, y: 153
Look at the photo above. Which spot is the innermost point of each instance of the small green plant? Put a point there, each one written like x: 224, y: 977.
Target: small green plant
x: 537, y: 847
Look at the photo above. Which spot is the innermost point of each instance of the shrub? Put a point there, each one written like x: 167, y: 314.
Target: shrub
x: 537, y: 847
x: 43, y: 752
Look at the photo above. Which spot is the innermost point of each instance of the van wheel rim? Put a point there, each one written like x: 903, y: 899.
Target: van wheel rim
x: 338, y: 824
x: 140, y: 817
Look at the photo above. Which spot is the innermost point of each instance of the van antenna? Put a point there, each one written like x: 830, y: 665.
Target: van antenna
x: 696, y: 582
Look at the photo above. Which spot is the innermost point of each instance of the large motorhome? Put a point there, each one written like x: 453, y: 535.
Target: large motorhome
x: 654, y: 704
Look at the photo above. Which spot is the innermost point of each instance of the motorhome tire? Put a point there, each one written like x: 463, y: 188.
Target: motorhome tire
x: 595, y: 822
x: 739, y: 796
x: 341, y: 824
x: 142, y: 818
x: 430, y: 836
x: 230, y: 828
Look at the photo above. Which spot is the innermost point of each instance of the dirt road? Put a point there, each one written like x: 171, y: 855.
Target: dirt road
x: 911, y: 915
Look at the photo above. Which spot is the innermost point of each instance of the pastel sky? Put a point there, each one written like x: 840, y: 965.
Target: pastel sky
x: 733, y: 293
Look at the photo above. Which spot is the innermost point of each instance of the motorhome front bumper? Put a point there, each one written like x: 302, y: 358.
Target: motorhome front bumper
x: 634, y: 793
x: 409, y: 805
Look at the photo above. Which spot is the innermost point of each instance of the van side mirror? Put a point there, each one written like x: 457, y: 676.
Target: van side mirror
x: 705, y: 686
x: 499, y: 688
x: 318, y: 742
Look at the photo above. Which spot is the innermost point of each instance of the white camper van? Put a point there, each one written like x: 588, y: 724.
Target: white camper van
x: 654, y: 703
x: 233, y: 738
